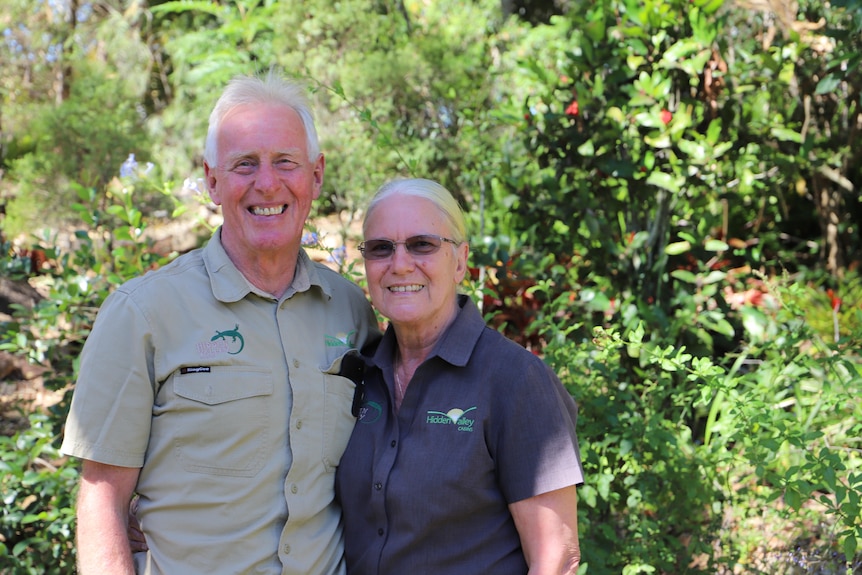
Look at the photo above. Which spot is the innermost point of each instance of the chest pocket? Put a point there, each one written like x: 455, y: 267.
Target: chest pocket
x: 338, y: 419
x: 220, y: 419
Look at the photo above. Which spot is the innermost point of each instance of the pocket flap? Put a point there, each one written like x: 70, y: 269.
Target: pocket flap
x: 222, y: 384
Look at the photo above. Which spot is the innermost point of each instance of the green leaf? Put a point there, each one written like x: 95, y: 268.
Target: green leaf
x: 595, y: 300
x: 665, y: 181
x: 708, y: 6
x: 696, y: 152
x: 20, y: 547
x: 793, y: 498
x: 587, y: 149
x: 716, y: 246
x: 849, y: 546
x: 828, y: 84
x: 786, y: 135
x: 677, y: 248
x: 181, y: 6
x: 561, y: 228
x: 713, y: 277
x: 684, y: 275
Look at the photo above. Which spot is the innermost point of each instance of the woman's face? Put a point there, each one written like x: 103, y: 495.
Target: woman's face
x: 417, y: 291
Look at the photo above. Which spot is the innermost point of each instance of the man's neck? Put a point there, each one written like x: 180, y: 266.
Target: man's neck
x: 271, y: 272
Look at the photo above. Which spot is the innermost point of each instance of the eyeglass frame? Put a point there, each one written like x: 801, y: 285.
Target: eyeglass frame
x: 406, y: 243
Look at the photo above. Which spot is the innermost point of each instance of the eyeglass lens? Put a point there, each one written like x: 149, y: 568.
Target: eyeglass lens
x: 423, y: 245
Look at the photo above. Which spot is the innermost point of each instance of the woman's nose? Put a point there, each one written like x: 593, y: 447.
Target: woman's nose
x: 402, y: 259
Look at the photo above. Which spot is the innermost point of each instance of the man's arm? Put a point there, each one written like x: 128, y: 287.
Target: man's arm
x: 103, y: 507
x: 548, y: 527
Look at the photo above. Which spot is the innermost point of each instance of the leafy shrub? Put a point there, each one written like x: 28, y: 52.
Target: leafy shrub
x: 37, y: 488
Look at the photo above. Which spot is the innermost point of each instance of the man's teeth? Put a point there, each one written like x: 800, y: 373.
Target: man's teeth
x: 258, y: 211
x: 405, y: 288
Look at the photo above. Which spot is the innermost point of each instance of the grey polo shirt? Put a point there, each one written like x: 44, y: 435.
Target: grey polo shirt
x: 484, y: 423
x: 229, y: 402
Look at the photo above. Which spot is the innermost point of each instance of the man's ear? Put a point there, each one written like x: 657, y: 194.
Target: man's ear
x: 319, y: 166
x: 210, y: 176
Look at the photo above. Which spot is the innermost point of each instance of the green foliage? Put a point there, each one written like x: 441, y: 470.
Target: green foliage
x: 675, y: 443
x: 37, y: 488
x: 637, y: 175
x: 668, y: 168
x: 85, y: 139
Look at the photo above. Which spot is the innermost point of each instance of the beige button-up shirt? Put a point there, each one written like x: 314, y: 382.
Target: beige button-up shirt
x: 230, y: 403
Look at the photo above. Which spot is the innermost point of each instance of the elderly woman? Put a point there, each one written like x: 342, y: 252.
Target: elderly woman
x: 464, y: 458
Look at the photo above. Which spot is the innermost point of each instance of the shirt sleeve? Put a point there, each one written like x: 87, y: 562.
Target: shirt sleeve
x: 534, y: 441
x: 112, y: 404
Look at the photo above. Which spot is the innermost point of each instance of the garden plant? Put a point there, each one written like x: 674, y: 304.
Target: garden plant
x: 664, y: 203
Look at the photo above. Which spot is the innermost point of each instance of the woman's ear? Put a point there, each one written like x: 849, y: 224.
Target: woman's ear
x: 461, y: 254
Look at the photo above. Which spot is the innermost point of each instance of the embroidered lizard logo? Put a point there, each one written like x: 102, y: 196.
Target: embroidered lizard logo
x: 233, y: 334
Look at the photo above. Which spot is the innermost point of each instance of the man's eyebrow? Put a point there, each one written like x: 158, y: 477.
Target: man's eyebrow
x: 237, y: 156
x: 291, y: 152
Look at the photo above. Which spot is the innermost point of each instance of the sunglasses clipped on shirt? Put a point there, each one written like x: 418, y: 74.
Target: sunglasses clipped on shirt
x: 423, y: 245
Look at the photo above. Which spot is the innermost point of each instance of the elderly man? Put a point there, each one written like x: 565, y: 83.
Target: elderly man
x: 210, y: 387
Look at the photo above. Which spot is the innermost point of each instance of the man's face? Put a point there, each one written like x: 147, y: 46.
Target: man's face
x: 264, y: 181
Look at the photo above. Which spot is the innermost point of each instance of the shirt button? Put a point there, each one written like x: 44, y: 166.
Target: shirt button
x: 378, y: 486
x: 294, y: 488
x: 380, y: 532
x: 299, y: 424
x: 393, y: 443
x: 286, y: 549
x: 295, y: 363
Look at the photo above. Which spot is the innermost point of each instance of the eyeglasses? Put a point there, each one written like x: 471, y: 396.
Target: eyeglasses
x: 423, y: 245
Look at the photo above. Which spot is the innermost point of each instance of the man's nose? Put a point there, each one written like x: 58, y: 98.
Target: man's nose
x: 266, y: 177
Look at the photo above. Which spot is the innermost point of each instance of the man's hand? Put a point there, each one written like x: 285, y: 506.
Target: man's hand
x: 137, y: 541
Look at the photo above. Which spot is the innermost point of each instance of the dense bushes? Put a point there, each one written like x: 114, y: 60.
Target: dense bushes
x: 658, y: 231
x: 681, y: 448
x: 665, y: 204
x: 37, y: 486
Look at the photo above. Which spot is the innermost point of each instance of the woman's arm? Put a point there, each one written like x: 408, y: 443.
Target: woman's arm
x: 548, y: 527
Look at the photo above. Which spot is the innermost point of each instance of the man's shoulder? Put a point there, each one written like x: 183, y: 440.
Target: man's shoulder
x: 336, y: 280
x: 174, y: 272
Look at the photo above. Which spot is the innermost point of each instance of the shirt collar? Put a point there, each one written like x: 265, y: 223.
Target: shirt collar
x: 229, y: 285
x: 456, y: 344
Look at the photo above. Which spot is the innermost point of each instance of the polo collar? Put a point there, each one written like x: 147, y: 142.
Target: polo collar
x: 455, y: 346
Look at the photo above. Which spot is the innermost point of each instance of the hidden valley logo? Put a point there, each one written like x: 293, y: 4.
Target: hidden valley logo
x: 454, y: 416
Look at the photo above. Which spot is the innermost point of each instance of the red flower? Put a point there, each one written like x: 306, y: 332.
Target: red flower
x: 666, y: 116
x: 572, y: 109
x: 834, y: 300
